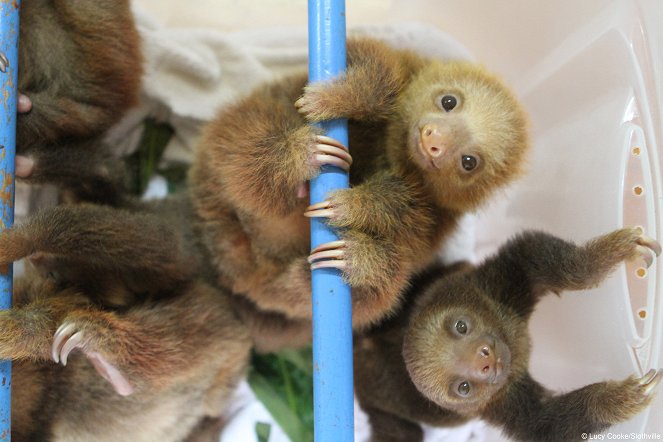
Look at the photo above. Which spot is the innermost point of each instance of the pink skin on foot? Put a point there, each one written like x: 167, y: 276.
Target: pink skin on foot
x: 24, y: 166
x: 24, y: 104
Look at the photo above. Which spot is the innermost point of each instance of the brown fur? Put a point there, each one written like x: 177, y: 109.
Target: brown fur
x: 117, y: 256
x: 255, y: 156
x: 183, y: 357
x: 407, y: 369
x: 129, y: 282
x: 80, y: 63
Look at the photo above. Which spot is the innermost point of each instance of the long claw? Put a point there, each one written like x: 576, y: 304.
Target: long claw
x: 328, y: 213
x: 331, y: 141
x: 62, y: 333
x: 322, y: 205
x: 319, y: 210
x: 647, y: 377
x: 335, y: 151
x: 650, y: 243
x: 331, y: 160
x: 654, y: 380
x: 329, y: 246
x: 71, y: 344
x: 330, y: 151
x: 332, y: 264
x: 327, y: 254
x: 645, y: 254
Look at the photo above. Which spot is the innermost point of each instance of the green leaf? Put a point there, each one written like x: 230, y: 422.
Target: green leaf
x: 302, y: 359
x: 262, y: 431
x: 279, y: 408
x: 143, y: 162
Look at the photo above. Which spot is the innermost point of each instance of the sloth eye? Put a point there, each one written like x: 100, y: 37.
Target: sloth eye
x: 448, y: 102
x: 461, y: 327
x: 464, y: 388
x: 469, y: 162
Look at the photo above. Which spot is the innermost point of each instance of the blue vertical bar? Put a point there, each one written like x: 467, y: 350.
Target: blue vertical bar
x: 8, y: 74
x: 332, y: 304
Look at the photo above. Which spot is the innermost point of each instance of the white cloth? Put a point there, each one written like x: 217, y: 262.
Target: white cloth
x: 191, y: 73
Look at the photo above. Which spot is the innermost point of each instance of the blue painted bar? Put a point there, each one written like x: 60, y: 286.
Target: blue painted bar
x: 9, y: 66
x: 332, y: 304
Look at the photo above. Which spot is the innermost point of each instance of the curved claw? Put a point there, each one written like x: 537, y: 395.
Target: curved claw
x: 328, y: 255
x: 61, y: 334
x: 66, y: 339
x: 72, y: 343
x: 320, y: 210
x: 329, y: 246
x: 646, y: 255
x: 322, y: 205
x: 331, y: 160
x: 340, y: 152
x: 330, y: 141
x: 650, y: 243
x: 333, y: 264
x: 647, y: 377
x: 651, y: 379
x: 330, y: 151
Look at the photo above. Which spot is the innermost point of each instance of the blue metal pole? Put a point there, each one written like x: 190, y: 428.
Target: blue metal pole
x: 332, y: 304
x: 9, y: 74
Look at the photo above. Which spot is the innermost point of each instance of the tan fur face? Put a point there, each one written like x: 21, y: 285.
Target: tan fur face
x: 458, y: 353
x: 466, y: 132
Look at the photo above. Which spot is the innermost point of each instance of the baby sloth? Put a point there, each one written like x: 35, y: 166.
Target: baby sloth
x: 151, y: 352
x: 152, y: 372
x: 430, y: 141
x: 459, y: 348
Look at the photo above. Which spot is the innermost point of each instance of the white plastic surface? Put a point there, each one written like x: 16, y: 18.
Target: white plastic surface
x: 595, y: 102
x: 590, y: 74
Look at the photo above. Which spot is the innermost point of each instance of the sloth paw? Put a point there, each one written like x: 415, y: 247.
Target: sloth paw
x: 629, y: 397
x: 313, y: 103
x: 69, y: 337
x: 627, y: 244
x: 364, y: 260
x: 645, y: 247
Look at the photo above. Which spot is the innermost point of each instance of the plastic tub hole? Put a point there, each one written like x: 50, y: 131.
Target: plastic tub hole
x: 636, y: 151
x: 642, y: 313
x: 641, y: 272
x: 638, y: 190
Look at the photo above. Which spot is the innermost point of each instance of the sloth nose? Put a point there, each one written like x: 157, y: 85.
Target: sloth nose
x: 485, y: 361
x: 434, y: 141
